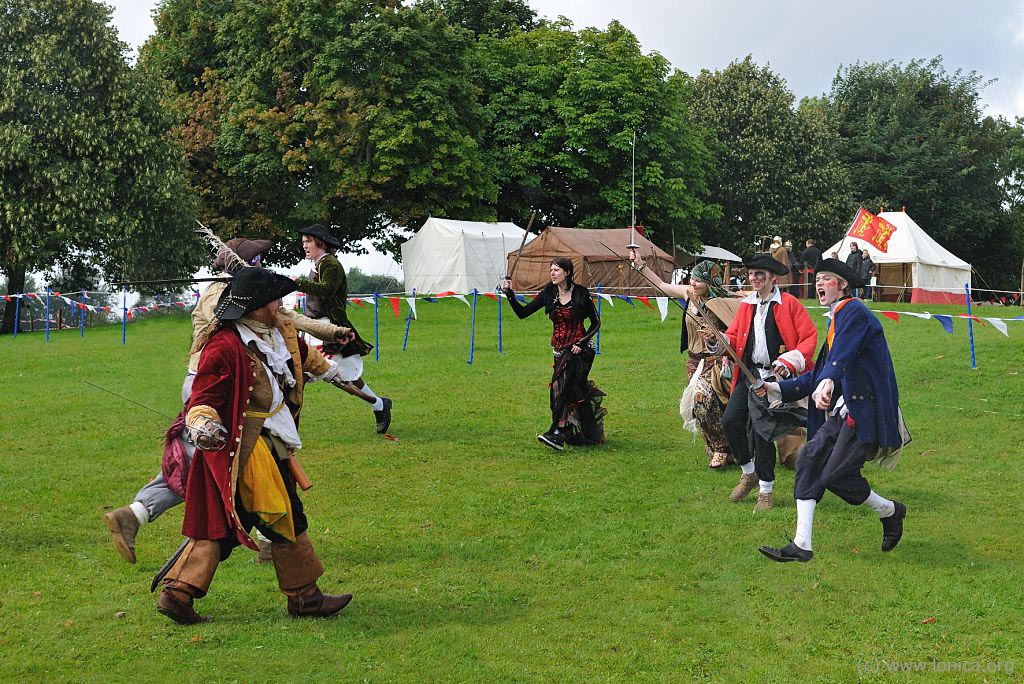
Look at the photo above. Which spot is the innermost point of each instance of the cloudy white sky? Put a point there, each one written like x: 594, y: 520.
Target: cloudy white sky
x: 803, y: 40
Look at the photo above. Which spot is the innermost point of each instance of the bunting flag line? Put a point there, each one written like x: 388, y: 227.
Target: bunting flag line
x: 411, y: 301
x: 606, y: 297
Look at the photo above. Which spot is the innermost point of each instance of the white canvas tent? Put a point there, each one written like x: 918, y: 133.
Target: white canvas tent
x: 915, y: 267
x: 448, y: 255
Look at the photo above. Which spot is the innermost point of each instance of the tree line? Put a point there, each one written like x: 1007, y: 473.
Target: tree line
x: 261, y: 116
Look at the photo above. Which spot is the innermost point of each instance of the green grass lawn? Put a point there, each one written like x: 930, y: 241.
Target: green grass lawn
x: 476, y: 554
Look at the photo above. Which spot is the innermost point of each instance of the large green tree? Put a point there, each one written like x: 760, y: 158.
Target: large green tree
x: 914, y: 135
x: 777, y: 171
x: 359, y: 115
x: 87, y: 167
x: 563, y: 107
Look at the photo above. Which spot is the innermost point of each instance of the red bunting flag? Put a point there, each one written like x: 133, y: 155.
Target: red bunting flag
x: 359, y: 302
x: 646, y: 300
x: 872, y: 229
x: 892, y: 314
x: 7, y: 297
x: 491, y: 295
x: 394, y: 305
x: 446, y: 293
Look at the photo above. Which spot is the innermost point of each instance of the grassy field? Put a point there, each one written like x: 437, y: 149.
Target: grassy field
x: 476, y: 554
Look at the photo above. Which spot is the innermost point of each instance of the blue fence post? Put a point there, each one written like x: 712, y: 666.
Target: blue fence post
x: 17, y: 314
x: 376, y: 328
x: 124, y: 314
x: 500, y: 295
x: 82, y: 311
x: 598, y: 350
x: 472, y: 329
x: 47, y: 313
x: 970, y: 325
x: 408, y: 322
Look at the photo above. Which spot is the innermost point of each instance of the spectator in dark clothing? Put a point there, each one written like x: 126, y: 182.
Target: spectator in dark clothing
x: 865, y: 270
x: 853, y: 260
x: 810, y: 257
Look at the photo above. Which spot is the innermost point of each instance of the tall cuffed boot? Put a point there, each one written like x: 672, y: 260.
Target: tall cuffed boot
x: 298, y: 569
x: 189, y: 579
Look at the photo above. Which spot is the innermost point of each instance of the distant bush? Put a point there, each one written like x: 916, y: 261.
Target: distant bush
x: 364, y: 283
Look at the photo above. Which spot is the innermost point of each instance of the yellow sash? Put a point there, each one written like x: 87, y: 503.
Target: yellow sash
x: 263, y: 492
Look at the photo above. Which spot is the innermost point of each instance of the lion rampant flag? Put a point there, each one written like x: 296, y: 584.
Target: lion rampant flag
x: 872, y: 229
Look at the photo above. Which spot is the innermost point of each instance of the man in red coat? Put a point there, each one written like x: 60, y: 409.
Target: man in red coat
x: 242, y: 416
x: 775, y: 337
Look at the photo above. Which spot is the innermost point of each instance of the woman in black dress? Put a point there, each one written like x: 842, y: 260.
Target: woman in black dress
x: 577, y: 416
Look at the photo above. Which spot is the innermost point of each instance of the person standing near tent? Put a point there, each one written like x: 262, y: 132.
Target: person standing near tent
x: 853, y: 260
x: 709, y: 397
x: 810, y: 257
x: 855, y: 416
x: 326, y: 291
x: 781, y: 254
x: 577, y: 416
x: 775, y: 337
x: 865, y: 270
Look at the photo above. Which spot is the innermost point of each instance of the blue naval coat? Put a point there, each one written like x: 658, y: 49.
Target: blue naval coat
x: 861, y: 370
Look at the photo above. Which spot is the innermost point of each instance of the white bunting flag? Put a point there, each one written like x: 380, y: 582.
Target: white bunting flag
x: 606, y: 297
x: 462, y: 299
x: 999, y: 325
x: 662, y: 307
x: 412, y: 306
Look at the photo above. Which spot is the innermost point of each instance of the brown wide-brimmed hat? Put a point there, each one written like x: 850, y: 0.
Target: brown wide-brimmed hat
x: 249, y: 290
x: 248, y: 249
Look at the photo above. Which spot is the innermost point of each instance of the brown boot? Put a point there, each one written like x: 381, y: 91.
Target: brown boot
x: 123, y: 526
x: 317, y: 604
x: 764, y: 502
x: 743, y: 488
x: 298, y: 569
x: 189, y: 579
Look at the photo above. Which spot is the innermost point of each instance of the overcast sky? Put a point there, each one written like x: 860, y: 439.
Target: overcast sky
x: 802, y: 40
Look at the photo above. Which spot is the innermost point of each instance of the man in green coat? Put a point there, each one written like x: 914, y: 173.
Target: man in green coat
x: 326, y: 291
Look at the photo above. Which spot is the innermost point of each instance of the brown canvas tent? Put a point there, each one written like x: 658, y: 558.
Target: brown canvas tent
x: 592, y: 263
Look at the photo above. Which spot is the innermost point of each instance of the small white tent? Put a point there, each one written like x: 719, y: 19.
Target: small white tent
x: 915, y: 267
x: 447, y: 255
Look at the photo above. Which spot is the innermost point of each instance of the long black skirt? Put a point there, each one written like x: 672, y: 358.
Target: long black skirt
x: 576, y: 399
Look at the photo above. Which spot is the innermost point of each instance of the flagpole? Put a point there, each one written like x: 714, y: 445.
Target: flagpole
x: 472, y: 329
x: 82, y: 311
x: 376, y: 328
x: 408, y: 322
x: 17, y: 314
x: 47, y: 313
x: 598, y: 345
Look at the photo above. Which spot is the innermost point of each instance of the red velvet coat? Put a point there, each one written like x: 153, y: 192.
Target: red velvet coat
x: 795, y: 327
x: 224, y: 382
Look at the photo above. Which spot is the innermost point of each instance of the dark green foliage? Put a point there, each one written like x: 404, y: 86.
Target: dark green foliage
x: 87, y: 169
x: 366, y: 283
x: 914, y: 135
x: 777, y: 170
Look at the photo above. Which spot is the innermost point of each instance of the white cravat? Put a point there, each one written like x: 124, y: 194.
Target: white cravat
x: 281, y: 423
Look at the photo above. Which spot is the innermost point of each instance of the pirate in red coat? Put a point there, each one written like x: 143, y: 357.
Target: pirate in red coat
x: 243, y: 416
x: 775, y: 337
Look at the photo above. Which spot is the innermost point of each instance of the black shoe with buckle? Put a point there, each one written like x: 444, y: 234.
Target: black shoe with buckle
x: 383, y: 416
x: 553, y: 438
x: 892, y: 527
x: 787, y: 554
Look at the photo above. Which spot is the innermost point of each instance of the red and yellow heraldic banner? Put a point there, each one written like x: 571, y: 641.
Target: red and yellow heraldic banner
x: 871, y: 229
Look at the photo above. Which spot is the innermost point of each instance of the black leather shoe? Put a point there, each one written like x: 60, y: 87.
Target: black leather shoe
x: 892, y: 527
x: 383, y: 416
x: 787, y: 554
x: 553, y: 439
x: 318, y: 605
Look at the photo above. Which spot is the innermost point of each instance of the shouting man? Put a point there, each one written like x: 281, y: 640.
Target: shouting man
x: 855, y: 417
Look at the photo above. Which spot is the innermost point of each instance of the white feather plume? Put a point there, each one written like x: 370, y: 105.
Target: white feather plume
x: 230, y: 256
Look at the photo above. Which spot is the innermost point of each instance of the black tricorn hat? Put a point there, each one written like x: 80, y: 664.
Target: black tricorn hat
x: 321, y: 234
x: 840, y: 269
x: 764, y: 261
x: 249, y: 290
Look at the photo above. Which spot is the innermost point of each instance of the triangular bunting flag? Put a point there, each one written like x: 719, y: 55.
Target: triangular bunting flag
x: 945, y: 321
x: 412, y: 305
x: 394, y: 305
x: 521, y: 298
x: 626, y: 299
x: 462, y: 299
x: 647, y: 302
x: 999, y: 325
x: 491, y: 295
x: 892, y: 314
x: 606, y: 297
x: 662, y: 306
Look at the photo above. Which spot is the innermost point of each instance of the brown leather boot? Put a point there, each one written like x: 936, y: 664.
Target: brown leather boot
x: 743, y: 488
x: 298, y: 569
x: 764, y: 502
x: 189, y: 579
x: 123, y: 526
